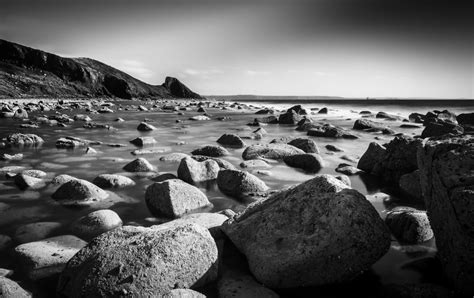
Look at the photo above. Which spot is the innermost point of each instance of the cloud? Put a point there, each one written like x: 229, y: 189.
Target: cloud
x: 256, y: 72
x: 202, y: 72
x: 136, y: 68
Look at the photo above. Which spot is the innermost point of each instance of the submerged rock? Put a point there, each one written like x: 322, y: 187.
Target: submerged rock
x: 231, y: 140
x: 78, y: 192
x: 270, y: 151
x: 446, y: 174
x: 174, y: 198
x: 141, y: 262
x: 316, y: 233
x: 237, y: 183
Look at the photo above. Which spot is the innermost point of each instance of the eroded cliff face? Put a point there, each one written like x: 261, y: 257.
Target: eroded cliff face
x: 447, y: 180
x: 27, y: 72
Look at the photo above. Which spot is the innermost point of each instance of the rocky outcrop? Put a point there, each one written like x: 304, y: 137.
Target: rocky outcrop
x: 447, y: 182
x: 141, y: 262
x: 316, y: 233
x: 27, y: 72
x: 173, y: 198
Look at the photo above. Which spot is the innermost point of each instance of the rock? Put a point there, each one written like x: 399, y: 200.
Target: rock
x: 61, y: 179
x: 334, y: 148
x: 28, y: 182
x: 416, y: 117
x: 141, y: 262
x: 199, y: 118
x: 330, y: 131
x: 344, y: 179
x: 323, y: 111
x: 254, y: 163
x: 139, y: 165
x: 174, y: 198
x: 5, y: 156
x: 78, y: 192
x: 210, y: 221
x: 35, y: 231
x: 237, y: 183
x: 112, y: 181
x: 409, y: 225
x: 20, y: 114
x: 184, y: 293
x: 174, y: 157
x: 234, y: 284
x: 143, y: 141
x: 410, y: 186
x: 418, y: 290
x: 81, y: 117
x: 231, y: 140
x: 212, y: 151
x: 192, y: 171
x: 41, y: 259
x: 5, y: 242
x: 90, y: 150
x: 311, y: 162
x: 373, y: 155
x: 307, y: 145
x: 437, y: 116
x: 316, y: 233
x: 290, y: 117
x: 434, y: 129
x: 105, y: 110
x: 96, y: 223
x: 387, y: 116
x: 10, y: 289
x: 155, y: 150
x: 366, y: 124
x: 298, y: 109
x: 264, y: 111
x: 20, y: 139
x: 69, y: 143
x: 446, y: 165
x: 465, y: 119
x: 399, y: 159
x: 347, y: 169
x: 270, y: 151
x: 143, y: 126
x: 163, y: 177
x: 223, y: 164
x: 265, y: 120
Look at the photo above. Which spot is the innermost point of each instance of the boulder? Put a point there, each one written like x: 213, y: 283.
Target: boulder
x: 143, y: 126
x: 329, y: 131
x: 465, y: 119
x: 290, y: 117
x: 254, y: 163
x: 311, y: 162
x: 28, y: 182
x: 193, y: 171
x: 439, y: 128
x: 173, y: 198
x: 440, y: 116
x: 183, y: 293
x: 307, y: 145
x: 199, y: 118
x: 78, y: 192
x: 48, y: 257
x: 231, y: 140
x: 139, y: 165
x: 95, y: 223
x: 333, y: 148
x: 416, y: 117
x: 210, y: 221
x: 112, y: 181
x: 318, y: 232
x: 61, y: 179
x: 446, y: 174
x: 211, y: 151
x: 35, y: 231
x: 270, y: 151
x: 366, y: 124
x: 410, y: 186
x: 347, y: 169
x: 237, y: 183
x: 11, y: 289
x: 143, y: 141
x: 409, y: 225
x: 19, y: 139
x: 323, y: 111
x: 141, y: 262
x: 223, y: 164
x: 235, y: 284
x: 173, y: 157
x: 373, y: 155
x: 20, y: 114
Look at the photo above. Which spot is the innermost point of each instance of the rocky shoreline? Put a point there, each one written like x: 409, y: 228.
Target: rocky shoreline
x: 318, y: 237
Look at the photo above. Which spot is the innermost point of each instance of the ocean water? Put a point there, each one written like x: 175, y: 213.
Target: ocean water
x: 20, y: 207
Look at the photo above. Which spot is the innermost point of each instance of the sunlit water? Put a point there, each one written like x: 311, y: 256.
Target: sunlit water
x: 20, y: 207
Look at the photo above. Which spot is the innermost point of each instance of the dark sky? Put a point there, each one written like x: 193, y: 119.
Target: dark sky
x: 284, y: 47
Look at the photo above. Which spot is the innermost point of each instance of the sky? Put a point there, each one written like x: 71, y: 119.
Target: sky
x: 363, y: 48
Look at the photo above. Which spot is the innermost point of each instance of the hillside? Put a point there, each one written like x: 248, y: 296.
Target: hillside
x: 27, y: 72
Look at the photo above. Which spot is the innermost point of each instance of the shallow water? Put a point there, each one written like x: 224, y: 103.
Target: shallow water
x: 20, y: 207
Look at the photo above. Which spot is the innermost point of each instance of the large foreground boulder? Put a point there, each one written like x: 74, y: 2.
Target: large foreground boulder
x: 271, y: 151
x: 316, y: 233
x: 237, y: 183
x: 447, y: 182
x: 141, y: 262
x: 173, y: 198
